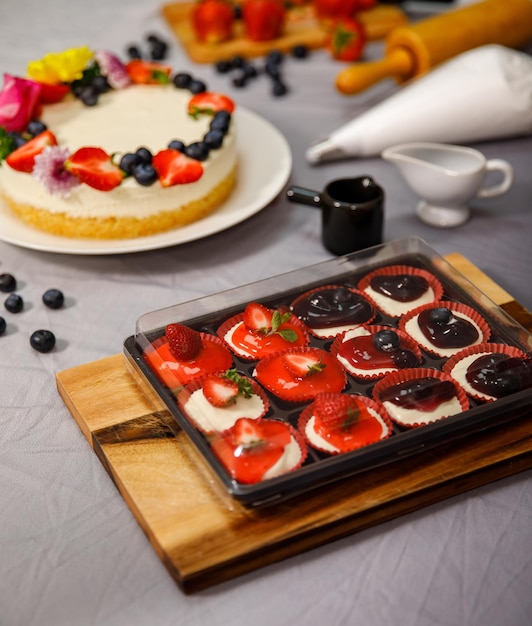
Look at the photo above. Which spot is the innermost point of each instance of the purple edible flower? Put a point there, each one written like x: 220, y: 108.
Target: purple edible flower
x: 50, y: 170
x: 113, y: 69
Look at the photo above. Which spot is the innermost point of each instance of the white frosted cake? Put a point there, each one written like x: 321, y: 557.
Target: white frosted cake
x: 137, y: 115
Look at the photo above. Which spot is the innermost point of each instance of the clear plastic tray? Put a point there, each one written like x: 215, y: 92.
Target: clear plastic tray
x: 208, y: 313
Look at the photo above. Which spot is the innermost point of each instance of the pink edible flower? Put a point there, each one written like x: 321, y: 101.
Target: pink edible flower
x: 50, y: 170
x: 18, y: 100
x: 113, y: 69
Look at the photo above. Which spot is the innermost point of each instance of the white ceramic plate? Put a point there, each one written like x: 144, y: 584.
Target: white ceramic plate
x: 265, y: 163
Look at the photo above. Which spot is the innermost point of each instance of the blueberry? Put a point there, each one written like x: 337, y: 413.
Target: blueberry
x: 404, y: 358
x: 386, y: 340
x: 440, y: 315
x: 88, y: 94
x: 198, y: 150
x: 177, y: 144
x: 14, y: 303
x: 158, y: 50
x: 240, y: 80
x: 300, y: 51
x: 133, y: 52
x: 223, y: 67
x: 197, y: 86
x: 250, y: 71
x: 279, y: 88
x: 7, y: 283
x: 221, y: 121
x: 182, y: 80
x: 144, y: 155
x: 152, y: 38
x: 17, y: 139
x: 128, y: 162
x: 237, y: 61
x: 35, y: 127
x: 214, y: 139
x: 273, y: 70
x: 53, y: 298
x: 42, y: 340
x: 3, y: 326
x: 101, y: 84
x: 144, y: 174
x: 275, y: 56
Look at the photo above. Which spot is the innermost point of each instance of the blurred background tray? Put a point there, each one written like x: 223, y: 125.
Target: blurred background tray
x: 301, y: 28
x: 201, y: 540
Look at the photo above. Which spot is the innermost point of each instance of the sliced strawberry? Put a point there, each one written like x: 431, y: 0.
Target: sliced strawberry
x: 148, y: 72
x: 258, y: 318
x: 213, y: 20
x: 184, y: 342
x: 247, y: 433
x: 23, y: 159
x: 303, y: 364
x: 50, y: 94
x: 175, y: 168
x: 220, y: 392
x: 94, y: 167
x: 209, y: 102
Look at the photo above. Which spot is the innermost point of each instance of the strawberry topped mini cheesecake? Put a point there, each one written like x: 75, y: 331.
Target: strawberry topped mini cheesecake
x: 214, y: 402
x: 300, y: 374
x: 256, y: 450
x: 336, y: 423
x: 106, y: 149
x: 184, y: 354
x: 260, y: 331
x: 330, y: 310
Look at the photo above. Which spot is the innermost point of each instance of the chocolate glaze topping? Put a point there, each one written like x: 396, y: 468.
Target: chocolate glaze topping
x: 401, y: 287
x: 333, y: 307
x: 456, y: 332
x: 499, y: 375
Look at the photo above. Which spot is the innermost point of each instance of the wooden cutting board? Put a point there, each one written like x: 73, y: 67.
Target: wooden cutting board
x: 202, y: 540
x: 301, y: 27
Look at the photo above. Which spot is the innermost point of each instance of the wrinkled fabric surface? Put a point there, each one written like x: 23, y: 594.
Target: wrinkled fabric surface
x: 71, y: 550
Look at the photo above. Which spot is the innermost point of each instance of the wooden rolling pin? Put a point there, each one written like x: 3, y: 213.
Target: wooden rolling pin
x: 413, y: 50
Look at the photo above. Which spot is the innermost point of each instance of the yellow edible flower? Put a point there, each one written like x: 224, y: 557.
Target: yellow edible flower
x: 61, y: 67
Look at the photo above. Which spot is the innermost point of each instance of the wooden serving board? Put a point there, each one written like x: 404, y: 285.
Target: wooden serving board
x: 201, y: 539
x: 301, y: 27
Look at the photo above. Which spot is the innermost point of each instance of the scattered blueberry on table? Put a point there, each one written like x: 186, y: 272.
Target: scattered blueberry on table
x: 42, y: 340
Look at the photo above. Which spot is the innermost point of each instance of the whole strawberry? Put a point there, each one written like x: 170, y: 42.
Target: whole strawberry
x: 347, y: 40
x: 263, y: 19
x: 183, y: 341
x: 328, y: 11
x: 213, y: 20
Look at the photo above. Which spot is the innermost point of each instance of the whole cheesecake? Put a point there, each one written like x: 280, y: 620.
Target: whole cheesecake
x: 124, y: 120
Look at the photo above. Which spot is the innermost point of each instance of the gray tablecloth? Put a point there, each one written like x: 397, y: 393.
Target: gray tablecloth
x: 71, y: 551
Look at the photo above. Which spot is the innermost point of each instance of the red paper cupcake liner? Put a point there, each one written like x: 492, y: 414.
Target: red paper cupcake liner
x: 412, y: 374
x: 406, y: 342
x: 458, y: 307
x: 196, y: 384
x: 481, y: 348
x: 395, y: 270
x: 353, y: 325
x: 224, y: 328
x: 308, y: 411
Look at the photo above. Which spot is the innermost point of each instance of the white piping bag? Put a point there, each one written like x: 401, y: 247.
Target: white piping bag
x: 482, y: 94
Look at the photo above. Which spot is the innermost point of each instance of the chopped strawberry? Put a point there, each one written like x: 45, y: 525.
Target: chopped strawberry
x: 258, y: 318
x: 175, y: 168
x: 94, y: 167
x: 184, y: 342
x: 148, y: 72
x: 23, y: 159
x: 303, y: 364
x: 251, y: 447
x: 263, y: 19
x: 328, y: 11
x: 213, y: 20
x: 219, y: 391
x: 209, y: 103
x: 347, y: 40
x: 50, y: 94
